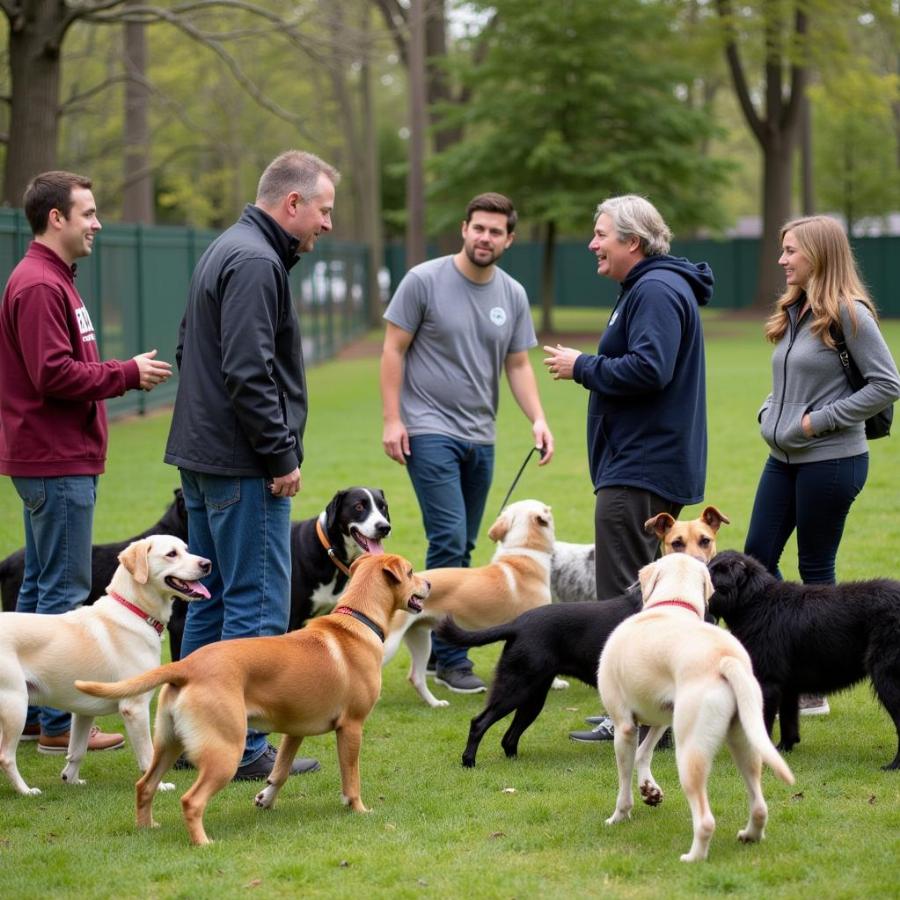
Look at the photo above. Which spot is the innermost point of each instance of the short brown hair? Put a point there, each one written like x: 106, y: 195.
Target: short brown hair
x: 48, y: 191
x: 495, y: 203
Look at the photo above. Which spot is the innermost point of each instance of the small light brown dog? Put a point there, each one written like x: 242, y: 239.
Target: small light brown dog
x: 324, y: 677
x: 666, y: 666
x: 118, y: 636
x: 516, y: 579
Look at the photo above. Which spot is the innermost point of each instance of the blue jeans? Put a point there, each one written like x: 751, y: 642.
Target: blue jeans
x: 451, y: 478
x: 59, y: 518
x: 813, y: 498
x: 244, y: 531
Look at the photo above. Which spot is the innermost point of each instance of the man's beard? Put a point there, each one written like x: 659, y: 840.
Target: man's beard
x: 481, y: 263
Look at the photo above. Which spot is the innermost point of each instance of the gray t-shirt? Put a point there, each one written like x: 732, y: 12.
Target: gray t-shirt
x: 463, y: 333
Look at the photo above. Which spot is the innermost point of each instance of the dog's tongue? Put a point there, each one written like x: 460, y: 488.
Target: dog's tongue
x: 369, y: 545
x: 198, y: 588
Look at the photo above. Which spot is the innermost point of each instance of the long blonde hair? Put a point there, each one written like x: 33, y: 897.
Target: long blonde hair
x: 834, y: 281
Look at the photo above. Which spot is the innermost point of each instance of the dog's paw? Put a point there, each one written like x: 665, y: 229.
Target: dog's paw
x: 265, y: 799
x: 651, y: 793
x: 437, y: 704
x: 618, y: 816
x: 166, y: 786
x: 76, y: 781
x: 559, y: 684
x: 31, y: 792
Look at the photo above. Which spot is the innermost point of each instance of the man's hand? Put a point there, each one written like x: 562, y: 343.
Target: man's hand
x: 543, y: 440
x: 395, y: 441
x: 287, y: 485
x: 561, y: 361
x: 152, y: 371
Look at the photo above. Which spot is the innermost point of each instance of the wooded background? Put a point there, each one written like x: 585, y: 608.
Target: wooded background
x: 718, y: 111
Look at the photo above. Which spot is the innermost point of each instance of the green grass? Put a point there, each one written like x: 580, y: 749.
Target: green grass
x: 437, y: 830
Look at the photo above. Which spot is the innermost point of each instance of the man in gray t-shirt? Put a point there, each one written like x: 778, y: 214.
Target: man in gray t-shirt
x: 454, y: 324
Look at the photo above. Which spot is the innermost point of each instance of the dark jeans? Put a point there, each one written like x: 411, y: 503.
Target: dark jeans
x: 244, y: 531
x: 813, y: 498
x: 59, y: 518
x: 621, y: 546
x: 451, y: 478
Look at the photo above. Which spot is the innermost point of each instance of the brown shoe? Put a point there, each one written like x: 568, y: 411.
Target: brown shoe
x: 31, y: 733
x: 59, y: 743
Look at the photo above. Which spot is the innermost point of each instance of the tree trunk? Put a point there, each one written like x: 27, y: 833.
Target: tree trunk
x: 415, y: 180
x: 807, y: 193
x: 137, y: 190
x: 34, y: 64
x: 778, y: 152
x: 548, y: 272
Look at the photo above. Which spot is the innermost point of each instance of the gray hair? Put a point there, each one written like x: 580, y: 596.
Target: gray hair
x: 293, y: 170
x: 635, y: 216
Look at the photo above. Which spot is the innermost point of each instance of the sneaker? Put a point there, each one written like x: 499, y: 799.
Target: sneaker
x: 99, y: 740
x: 31, y: 733
x: 596, y: 720
x: 261, y: 767
x: 814, y: 705
x: 602, y: 731
x: 460, y: 681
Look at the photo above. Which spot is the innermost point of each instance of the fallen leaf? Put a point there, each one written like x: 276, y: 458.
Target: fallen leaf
x: 498, y: 834
x: 508, y: 791
x: 344, y: 864
x: 872, y: 800
x: 797, y: 796
x: 256, y: 882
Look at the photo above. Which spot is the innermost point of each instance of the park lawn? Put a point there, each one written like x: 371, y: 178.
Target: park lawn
x: 526, y: 828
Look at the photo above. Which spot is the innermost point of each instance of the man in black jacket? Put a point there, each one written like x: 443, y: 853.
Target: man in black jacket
x: 237, y: 427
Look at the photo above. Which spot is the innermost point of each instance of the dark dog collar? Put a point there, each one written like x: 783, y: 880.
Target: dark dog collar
x: 361, y: 617
x: 158, y: 626
x: 682, y: 603
x: 323, y: 539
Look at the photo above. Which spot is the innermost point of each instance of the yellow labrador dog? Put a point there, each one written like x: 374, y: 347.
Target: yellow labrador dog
x: 517, y: 579
x: 42, y: 655
x: 324, y: 677
x: 666, y: 666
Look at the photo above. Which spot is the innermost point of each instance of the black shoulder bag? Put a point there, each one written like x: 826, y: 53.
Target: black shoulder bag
x: 879, y: 425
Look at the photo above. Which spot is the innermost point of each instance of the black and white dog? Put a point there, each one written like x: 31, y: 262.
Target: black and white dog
x: 355, y: 521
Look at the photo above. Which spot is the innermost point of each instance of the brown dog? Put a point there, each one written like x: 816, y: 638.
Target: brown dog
x: 516, y: 579
x: 325, y: 677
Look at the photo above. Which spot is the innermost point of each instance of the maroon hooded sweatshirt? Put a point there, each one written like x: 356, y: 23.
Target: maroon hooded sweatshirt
x: 52, y: 382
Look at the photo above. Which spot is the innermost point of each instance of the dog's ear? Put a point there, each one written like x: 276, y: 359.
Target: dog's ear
x: 134, y: 558
x: 714, y: 518
x: 395, y: 567
x: 544, y: 518
x: 659, y: 525
x: 331, y: 511
x: 499, y: 529
x: 648, y: 577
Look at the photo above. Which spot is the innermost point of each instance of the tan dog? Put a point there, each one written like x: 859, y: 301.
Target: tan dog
x: 41, y: 655
x: 324, y: 677
x: 517, y: 579
x: 572, y: 574
x: 696, y: 537
x: 666, y: 666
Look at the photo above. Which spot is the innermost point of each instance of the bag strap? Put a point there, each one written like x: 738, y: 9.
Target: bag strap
x: 840, y: 345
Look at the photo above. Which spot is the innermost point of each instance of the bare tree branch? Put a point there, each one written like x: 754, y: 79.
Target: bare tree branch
x: 737, y: 71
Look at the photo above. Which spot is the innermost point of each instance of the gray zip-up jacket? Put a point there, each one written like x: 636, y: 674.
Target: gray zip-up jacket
x: 807, y: 377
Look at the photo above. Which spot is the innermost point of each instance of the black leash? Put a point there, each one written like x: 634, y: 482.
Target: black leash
x: 512, y: 487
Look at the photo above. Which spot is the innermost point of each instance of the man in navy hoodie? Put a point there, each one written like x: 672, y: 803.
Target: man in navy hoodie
x: 646, y: 424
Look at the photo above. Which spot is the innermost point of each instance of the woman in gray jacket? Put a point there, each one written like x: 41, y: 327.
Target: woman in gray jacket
x: 814, y: 421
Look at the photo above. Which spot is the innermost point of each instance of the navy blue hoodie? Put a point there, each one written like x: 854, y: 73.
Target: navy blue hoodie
x: 646, y: 423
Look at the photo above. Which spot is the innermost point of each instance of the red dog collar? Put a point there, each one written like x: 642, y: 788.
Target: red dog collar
x: 158, y: 626
x: 682, y: 603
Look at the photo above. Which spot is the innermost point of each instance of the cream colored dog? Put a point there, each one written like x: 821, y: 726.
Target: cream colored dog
x: 41, y: 655
x: 517, y: 579
x: 324, y: 677
x: 666, y: 666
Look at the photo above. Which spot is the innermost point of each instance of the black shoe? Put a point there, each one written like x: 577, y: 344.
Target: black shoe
x: 261, y: 767
x: 603, y: 731
x: 460, y: 681
x: 183, y: 763
x: 596, y: 720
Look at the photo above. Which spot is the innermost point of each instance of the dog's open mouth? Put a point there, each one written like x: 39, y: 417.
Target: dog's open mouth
x: 415, y: 602
x: 369, y: 545
x: 190, y: 589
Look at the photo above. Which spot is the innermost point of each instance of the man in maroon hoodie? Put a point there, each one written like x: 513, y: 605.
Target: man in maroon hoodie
x: 53, y: 432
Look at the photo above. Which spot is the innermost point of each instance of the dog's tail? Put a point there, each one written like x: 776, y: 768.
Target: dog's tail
x: 748, y: 695
x: 452, y: 633
x: 140, y: 684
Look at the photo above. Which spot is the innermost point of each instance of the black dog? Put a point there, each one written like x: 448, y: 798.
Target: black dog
x: 810, y: 639
x: 540, y: 644
x: 355, y: 521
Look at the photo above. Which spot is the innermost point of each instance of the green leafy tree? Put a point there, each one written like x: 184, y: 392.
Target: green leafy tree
x: 573, y: 102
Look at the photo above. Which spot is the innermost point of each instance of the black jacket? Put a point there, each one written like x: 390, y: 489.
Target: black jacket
x: 647, y: 408
x: 241, y: 404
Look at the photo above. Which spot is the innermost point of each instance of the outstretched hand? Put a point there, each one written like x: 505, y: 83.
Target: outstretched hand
x: 152, y: 371
x: 561, y: 361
